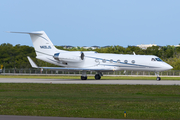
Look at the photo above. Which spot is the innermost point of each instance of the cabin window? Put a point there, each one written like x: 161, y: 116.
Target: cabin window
x: 111, y: 60
x: 133, y: 61
x: 125, y: 61
x: 118, y: 61
x: 97, y: 60
x: 104, y: 60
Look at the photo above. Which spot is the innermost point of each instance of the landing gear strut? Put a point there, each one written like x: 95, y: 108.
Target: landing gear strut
x: 158, y: 78
x: 98, y: 76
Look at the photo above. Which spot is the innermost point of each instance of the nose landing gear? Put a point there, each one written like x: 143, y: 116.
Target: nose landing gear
x: 158, y: 78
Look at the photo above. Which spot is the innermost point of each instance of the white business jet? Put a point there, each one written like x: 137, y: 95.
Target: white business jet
x: 91, y: 61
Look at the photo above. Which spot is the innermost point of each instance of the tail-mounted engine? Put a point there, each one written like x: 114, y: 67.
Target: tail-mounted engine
x: 69, y: 56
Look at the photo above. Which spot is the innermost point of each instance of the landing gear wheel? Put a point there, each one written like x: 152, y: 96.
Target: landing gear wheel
x: 97, y: 77
x: 83, y: 78
x: 158, y: 78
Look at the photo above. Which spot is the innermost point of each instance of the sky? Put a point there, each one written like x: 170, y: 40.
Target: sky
x: 92, y: 22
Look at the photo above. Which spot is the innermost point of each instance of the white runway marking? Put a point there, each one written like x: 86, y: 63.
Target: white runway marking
x: 71, y: 81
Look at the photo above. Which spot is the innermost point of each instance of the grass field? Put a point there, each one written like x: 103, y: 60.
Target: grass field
x: 91, y: 101
x: 91, y: 77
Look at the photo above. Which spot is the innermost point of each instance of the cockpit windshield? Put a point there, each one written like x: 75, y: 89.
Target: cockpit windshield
x: 156, y: 59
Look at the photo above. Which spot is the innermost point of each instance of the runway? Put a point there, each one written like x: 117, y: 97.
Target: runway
x: 75, y: 81
x: 14, y: 117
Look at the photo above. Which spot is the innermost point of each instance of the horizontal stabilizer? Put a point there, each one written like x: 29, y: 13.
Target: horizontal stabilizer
x: 32, y: 62
x: 35, y: 33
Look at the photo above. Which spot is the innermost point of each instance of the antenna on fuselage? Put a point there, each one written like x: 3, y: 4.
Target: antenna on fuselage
x: 134, y: 53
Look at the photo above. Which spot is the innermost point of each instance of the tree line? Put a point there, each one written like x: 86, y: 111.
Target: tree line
x: 16, y: 56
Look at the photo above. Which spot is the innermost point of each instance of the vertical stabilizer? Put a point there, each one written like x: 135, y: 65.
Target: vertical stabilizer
x: 42, y: 44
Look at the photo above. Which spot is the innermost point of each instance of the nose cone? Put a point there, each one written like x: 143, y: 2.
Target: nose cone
x: 168, y: 67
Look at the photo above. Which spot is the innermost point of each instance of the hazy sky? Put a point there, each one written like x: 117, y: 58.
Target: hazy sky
x: 92, y: 22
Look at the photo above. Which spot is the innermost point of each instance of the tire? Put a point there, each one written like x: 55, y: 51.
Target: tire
x: 83, y: 78
x: 158, y: 78
x: 97, y: 77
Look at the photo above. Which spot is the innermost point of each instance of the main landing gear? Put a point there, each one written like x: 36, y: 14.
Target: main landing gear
x: 97, y: 76
x: 84, y: 75
x: 158, y: 78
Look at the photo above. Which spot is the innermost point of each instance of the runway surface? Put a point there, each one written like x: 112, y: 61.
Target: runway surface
x: 71, y: 81
x: 13, y: 117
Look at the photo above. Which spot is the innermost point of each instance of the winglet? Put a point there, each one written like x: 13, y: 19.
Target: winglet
x: 32, y: 62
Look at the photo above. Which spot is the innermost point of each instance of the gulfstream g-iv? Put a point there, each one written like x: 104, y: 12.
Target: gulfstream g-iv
x: 90, y: 60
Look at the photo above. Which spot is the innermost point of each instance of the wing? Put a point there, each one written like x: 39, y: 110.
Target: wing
x: 67, y: 69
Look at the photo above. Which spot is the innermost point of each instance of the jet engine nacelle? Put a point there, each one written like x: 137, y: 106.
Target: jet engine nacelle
x: 69, y: 56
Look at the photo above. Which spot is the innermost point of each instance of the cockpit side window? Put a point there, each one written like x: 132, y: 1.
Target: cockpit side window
x: 153, y: 59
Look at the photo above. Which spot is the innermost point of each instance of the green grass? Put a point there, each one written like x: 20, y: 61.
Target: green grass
x: 91, y: 101
x: 91, y: 77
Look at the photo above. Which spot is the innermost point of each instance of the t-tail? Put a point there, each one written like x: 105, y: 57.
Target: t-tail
x: 42, y: 44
